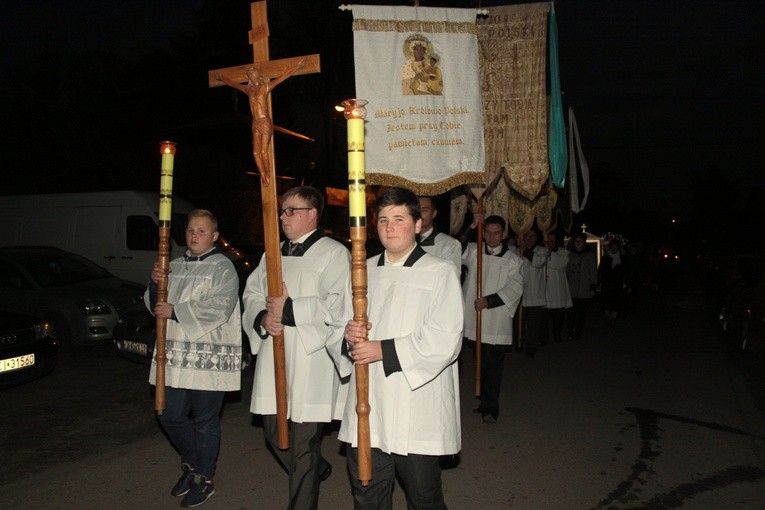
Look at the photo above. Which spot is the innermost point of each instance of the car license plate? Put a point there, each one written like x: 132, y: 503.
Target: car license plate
x: 136, y: 347
x: 19, y: 362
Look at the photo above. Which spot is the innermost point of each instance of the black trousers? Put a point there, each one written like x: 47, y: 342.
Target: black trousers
x: 577, y: 316
x: 492, y: 365
x: 420, y: 477
x: 302, y: 461
x: 532, y: 320
x: 555, y: 317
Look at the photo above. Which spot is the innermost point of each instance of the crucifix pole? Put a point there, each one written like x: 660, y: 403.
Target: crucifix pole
x: 261, y: 77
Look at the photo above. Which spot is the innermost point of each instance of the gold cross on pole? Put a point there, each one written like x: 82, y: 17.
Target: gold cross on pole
x: 259, y: 78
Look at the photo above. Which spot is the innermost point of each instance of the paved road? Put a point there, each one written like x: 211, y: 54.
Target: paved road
x: 651, y: 414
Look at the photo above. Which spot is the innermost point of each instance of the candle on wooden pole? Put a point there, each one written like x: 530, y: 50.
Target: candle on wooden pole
x: 355, y: 113
x: 167, y: 150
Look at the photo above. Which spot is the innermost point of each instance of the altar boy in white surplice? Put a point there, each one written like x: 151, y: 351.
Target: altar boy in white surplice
x: 502, y: 287
x: 435, y: 242
x: 316, y: 272
x: 415, y: 335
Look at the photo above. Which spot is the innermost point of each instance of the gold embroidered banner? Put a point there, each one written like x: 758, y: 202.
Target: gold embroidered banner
x: 512, y: 42
x: 418, y: 68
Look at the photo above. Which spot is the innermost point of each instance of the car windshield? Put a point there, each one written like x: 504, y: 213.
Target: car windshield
x: 56, y: 269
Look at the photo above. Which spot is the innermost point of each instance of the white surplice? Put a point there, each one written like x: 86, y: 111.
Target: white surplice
x: 443, y: 246
x: 414, y: 410
x: 316, y: 282
x: 502, y: 276
x: 534, y: 278
x: 204, y: 346
x: 556, y: 292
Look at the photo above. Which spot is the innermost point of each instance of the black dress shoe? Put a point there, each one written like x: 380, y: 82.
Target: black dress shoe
x: 490, y: 417
x: 325, y: 474
x: 478, y: 408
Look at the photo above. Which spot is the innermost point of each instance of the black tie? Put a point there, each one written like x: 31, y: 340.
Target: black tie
x: 295, y: 249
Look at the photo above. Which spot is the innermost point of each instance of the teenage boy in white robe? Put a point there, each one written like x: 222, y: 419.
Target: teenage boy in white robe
x: 502, y: 287
x: 435, y: 242
x: 316, y: 273
x: 534, y: 291
x: 557, y: 295
x: 203, y: 320
x: 415, y: 335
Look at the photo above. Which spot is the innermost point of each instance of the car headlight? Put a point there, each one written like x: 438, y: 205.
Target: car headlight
x: 43, y: 329
x: 93, y: 307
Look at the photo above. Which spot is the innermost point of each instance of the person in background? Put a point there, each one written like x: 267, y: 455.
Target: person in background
x: 557, y: 295
x: 435, y: 242
x: 632, y: 277
x: 611, y: 277
x: 202, y: 312
x: 534, y: 292
x: 582, y: 274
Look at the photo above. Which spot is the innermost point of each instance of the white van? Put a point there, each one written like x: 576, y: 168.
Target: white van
x: 115, y: 229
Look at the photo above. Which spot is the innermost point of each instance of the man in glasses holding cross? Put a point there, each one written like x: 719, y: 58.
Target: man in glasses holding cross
x: 316, y: 272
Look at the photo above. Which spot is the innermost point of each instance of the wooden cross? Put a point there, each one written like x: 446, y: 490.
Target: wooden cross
x: 269, y: 69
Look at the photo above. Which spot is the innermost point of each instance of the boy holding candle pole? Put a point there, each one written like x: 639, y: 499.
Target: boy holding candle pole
x: 203, y: 319
x: 415, y: 335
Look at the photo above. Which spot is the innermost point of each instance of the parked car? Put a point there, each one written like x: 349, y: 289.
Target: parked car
x: 135, y: 337
x: 28, y: 348
x: 83, y: 299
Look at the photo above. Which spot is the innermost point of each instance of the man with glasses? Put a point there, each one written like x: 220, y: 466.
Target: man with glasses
x: 316, y: 273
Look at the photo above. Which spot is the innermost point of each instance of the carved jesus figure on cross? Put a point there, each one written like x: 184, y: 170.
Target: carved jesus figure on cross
x: 257, y: 89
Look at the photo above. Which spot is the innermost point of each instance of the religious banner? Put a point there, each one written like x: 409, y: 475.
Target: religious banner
x: 418, y: 68
x: 513, y: 40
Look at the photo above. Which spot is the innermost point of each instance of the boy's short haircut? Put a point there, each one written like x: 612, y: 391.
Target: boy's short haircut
x: 495, y: 220
x: 311, y: 196
x: 204, y: 213
x: 399, y: 196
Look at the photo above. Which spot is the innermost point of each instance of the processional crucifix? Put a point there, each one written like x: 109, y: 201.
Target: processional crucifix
x: 260, y: 77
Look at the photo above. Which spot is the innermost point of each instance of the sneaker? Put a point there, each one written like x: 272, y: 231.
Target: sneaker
x: 200, y: 491
x: 184, y: 482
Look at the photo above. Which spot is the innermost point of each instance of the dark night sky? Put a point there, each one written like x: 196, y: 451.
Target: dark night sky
x: 661, y: 88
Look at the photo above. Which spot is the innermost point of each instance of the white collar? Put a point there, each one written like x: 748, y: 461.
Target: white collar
x: 402, y: 260
x: 302, y: 238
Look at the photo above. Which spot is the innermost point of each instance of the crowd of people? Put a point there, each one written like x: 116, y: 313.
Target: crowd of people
x: 424, y: 301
